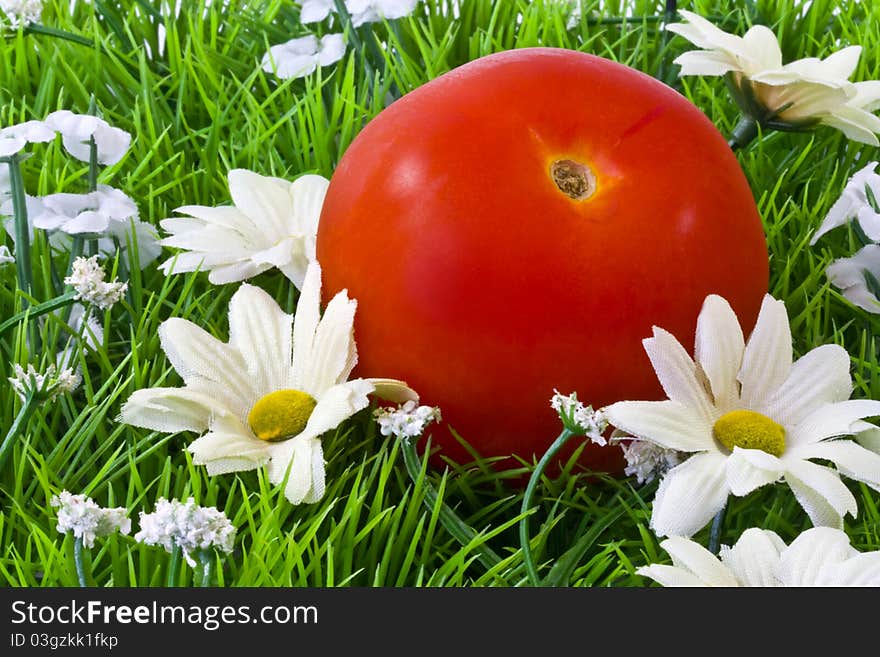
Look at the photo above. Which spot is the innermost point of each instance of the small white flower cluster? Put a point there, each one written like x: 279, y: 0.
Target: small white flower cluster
x: 86, y: 520
x: 647, y: 460
x: 579, y: 419
x: 187, y: 526
x: 300, y: 57
x: 45, y: 386
x: 857, y: 276
x: 21, y: 12
x: 406, y: 421
x: 87, y: 278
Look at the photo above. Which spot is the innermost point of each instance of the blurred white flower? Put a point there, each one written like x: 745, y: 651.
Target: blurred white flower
x: 274, y: 223
x: 186, y: 525
x: 749, y: 417
x: 81, y: 213
x: 46, y: 385
x: 5, y: 186
x: 21, y: 12
x: 314, y: 11
x: 858, y: 277
x: 855, y: 204
x: 794, y: 96
x: 820, y: 556
x: 647, y: 460
x: 82, y: 517
x: 373, y: 11
x: 406, y: 421
x: 579, y: 419
x: 301, y: 56
x: 77, y: 130
x: 5, y: 256
x: 268, y: 395
x: 110, y: 213
x: 87, y: 279
x: 16, y: 137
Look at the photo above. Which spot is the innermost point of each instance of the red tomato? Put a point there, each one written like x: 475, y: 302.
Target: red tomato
x: 483, y: 282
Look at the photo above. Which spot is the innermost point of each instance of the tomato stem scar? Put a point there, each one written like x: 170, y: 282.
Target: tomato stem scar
x: 573, y: 179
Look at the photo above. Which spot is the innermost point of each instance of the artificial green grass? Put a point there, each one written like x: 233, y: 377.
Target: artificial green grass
x: 201, y: 106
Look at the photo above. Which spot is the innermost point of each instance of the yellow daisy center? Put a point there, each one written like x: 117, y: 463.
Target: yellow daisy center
x: 281, y: 414
x: 750, y: 430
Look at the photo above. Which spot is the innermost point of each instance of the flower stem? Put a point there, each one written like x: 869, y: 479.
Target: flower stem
x: 715, y: 532
x: 743, y: 134
x: 206, y: 562
x: 551, y: 452
x: 80, y: 562
x: 27, y: 409
x: 459, y: 529
x: 22, y: 232
x: 174, y: 567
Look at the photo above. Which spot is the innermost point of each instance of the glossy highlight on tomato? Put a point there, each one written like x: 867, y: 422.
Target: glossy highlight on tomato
x: 519, y: 224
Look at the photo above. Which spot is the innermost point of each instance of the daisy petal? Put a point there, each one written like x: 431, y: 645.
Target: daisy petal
x: 818, y: 378
x: 393, y: 390
x: 677, y: 372
x: 261, y: 332
x: 666, y: 423
x: 305, y: 323
x: 302, y: 456
x: 825, y: 498
x: 670, y: 576
x: 850, y: 458
x: 803, y: 563
x: 690, y: 495
x: 338, y: 404
x: 693, y: 557
x: 201, y: 358
x: 719, y: 350
x: 229, y: 447
x: 858, y: 570
x: 169, y: 409
x: 831, y: 420
x: 333, y: 354
x: 755, y: 557
x: 749, y: 469
x: 768, y: 355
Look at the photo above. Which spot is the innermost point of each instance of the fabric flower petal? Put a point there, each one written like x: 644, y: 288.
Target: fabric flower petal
x: 690, y: 495
x: 666, y: 423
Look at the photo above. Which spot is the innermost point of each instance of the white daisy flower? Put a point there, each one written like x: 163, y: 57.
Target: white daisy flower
x: 300, y: 57
x: 374, y: 11
x: 76, y: 214
x: 78, y: 129
x: 794, y: 96
x: 749, y: 417
x: 406, y: 421
x: 269, y: 394
x: 858, y: 277
x: 867, y: 435
x: 854, y: 204
x: 81, y: 516
x: 5, y: 256
x: 820, y: 556
x: 188, y: 526
x: 87, y: 279
x: 107, y: 213
x: 16, y: 137
x: 273, y: 223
